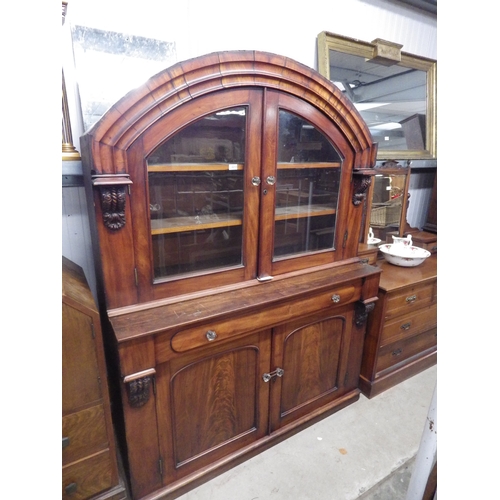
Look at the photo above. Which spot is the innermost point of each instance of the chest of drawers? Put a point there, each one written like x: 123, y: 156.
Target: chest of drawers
x: 401, y: 337
x: 89, y: 459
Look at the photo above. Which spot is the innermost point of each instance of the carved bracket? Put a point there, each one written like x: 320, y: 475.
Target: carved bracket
x: 139, y: 387
x: 113, y: 197
x: 361, y: 183
x: 362, y: 311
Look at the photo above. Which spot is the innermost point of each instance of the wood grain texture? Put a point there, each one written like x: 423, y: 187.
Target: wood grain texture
x: 210, y: 405
x: 89, y: 455
x: 90, y: 476
x: 86, y: 431
x: 401, y: 335
x: 120, y: 142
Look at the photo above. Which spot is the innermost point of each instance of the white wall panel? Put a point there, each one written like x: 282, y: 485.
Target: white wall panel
x: 76, y: 242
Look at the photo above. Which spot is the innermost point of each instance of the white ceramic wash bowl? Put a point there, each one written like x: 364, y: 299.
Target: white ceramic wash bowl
x: 405, y: 256
x: 373, y: 241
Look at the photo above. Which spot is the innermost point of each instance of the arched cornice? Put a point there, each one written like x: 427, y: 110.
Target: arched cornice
x: 108, y: 140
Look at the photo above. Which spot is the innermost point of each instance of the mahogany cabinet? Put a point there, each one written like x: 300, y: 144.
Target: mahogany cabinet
x: 227, y: 196
x: 401, y: 335
x: 89, y: 461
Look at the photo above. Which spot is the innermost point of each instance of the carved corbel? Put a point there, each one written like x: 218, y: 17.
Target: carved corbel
x: 362, y: 310
x: 361, y: 182
x: 138, y: 387
x: 113, y: 198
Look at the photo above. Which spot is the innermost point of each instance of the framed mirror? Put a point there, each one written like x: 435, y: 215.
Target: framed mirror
x: 387, y: 202
x: 395, y: 92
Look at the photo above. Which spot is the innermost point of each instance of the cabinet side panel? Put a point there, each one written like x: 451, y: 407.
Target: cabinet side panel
x: 142, y: 445
x: 140, y: 420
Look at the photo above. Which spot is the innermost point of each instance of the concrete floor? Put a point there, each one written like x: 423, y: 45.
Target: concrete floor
x: 364, y: 451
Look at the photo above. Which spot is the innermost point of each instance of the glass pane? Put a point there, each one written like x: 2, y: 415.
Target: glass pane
x: 196, y: 196
x: 387, y: 204
x: 391, y: 99
x: 307, y: 189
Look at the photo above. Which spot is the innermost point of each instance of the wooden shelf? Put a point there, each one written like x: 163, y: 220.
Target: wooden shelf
x: 304, y: 211
x: 193, y: 223
x: 282, y: 166
x: 194, y: 167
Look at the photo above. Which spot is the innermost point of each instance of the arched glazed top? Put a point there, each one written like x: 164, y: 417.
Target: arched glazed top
x: 108, y: 140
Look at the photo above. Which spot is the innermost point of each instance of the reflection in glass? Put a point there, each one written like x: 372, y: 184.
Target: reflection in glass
x: 391, y: 99
x: 196, y: 196
x: 387, y: 204
x: 307, y: 189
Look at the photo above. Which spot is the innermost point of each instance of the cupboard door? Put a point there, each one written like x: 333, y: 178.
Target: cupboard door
x: 196, y: 196
x: 212, y: 404
x: 313, y: 354
x: 304, y: 161
x: 80, y: 382
x: 200, y: 219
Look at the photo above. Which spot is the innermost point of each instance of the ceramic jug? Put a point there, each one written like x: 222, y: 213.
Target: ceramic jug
x: 405, y: 242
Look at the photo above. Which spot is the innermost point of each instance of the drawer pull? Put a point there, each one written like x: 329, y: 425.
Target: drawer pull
x: 71, y: 488
x: 211, y: 335
x: 276, y: 373
x: 336, y: 298
x: 397, y: 352
x: 411, y: 298
x: 405, y: 326
x: 65, y: 442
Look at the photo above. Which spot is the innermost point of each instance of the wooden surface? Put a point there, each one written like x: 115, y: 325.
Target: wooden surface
x: 401, y: 335
x: 140, y: 121
x: 194, y: 350
x: 394, y: 277
x: 90, y: 466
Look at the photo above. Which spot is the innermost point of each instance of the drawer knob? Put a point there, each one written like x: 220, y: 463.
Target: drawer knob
x: 336, y: 298
x: 65, y: 442
x: 405, y: 326
x: 411, y: 298
x: 276, y: 373
x: 397, y: 352
x: 71, y: 488
x: 211, y: 335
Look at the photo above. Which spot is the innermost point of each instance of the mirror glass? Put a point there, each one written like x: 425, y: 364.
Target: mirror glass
x: 395, y: 95
x: 387, y: 214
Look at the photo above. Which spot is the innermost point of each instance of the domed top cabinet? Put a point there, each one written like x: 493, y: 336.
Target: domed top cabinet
x: 228, y: 194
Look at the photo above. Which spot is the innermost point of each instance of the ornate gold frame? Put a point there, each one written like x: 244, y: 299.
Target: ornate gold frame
x: 329, y: 41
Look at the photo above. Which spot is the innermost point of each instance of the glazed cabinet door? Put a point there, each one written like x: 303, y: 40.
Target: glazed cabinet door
x: 240, y: 185
x: 314, y: 354
x: 212, y: 403
x: 305, y: 161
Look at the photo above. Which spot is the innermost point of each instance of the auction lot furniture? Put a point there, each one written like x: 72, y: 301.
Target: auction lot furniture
x: 227, y: 197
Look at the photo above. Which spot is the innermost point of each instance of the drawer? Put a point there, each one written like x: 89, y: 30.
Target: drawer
x: 202, y: 335
x: 397, y: 352
x: 409, y: 324
x: 84, y: 433
x: 410, y: 298
x: 85, y: 478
